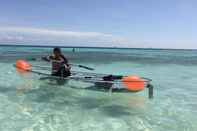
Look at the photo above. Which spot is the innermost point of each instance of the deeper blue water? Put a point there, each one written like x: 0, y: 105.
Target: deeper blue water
x: 30, y: 104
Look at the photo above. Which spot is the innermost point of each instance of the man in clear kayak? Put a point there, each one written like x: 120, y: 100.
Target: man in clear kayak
x: 60, y: 66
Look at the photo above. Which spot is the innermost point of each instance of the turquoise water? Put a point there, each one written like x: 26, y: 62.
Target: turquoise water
x: 29, y: 104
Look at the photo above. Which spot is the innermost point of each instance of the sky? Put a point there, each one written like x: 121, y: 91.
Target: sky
x: 111, y: 23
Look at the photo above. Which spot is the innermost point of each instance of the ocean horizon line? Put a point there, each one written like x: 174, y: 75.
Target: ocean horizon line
x: 91, y: 47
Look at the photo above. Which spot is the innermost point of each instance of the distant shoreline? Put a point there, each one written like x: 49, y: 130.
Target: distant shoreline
x: 51, y: 46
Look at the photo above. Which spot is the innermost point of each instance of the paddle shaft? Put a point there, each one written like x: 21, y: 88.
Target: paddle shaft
x: 80, y: 66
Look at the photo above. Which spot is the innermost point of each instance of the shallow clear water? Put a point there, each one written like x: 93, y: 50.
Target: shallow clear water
x: 29, y: 104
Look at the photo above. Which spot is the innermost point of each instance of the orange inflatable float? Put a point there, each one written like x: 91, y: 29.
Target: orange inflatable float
x: 133, y: 83
x: 23, y: 65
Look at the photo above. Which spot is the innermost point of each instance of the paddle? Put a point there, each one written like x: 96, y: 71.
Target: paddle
x: 80, y: 66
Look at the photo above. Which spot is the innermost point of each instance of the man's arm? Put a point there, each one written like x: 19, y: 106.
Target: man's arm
x: 48, y: 59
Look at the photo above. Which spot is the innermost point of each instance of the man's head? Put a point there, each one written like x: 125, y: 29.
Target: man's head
x: 57, y: 51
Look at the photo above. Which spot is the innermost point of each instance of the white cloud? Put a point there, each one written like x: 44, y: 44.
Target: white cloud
x: 52, y: 32
x: 13, y: 35
x: 11, y: 38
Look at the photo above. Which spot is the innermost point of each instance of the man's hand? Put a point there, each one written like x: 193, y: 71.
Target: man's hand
x: 67, y: 67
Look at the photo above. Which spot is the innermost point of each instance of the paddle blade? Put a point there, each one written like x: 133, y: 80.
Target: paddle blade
x: 85, y: 67
x: 23, y: 65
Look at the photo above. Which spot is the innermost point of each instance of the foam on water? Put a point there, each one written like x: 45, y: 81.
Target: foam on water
x: 29, y: 104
